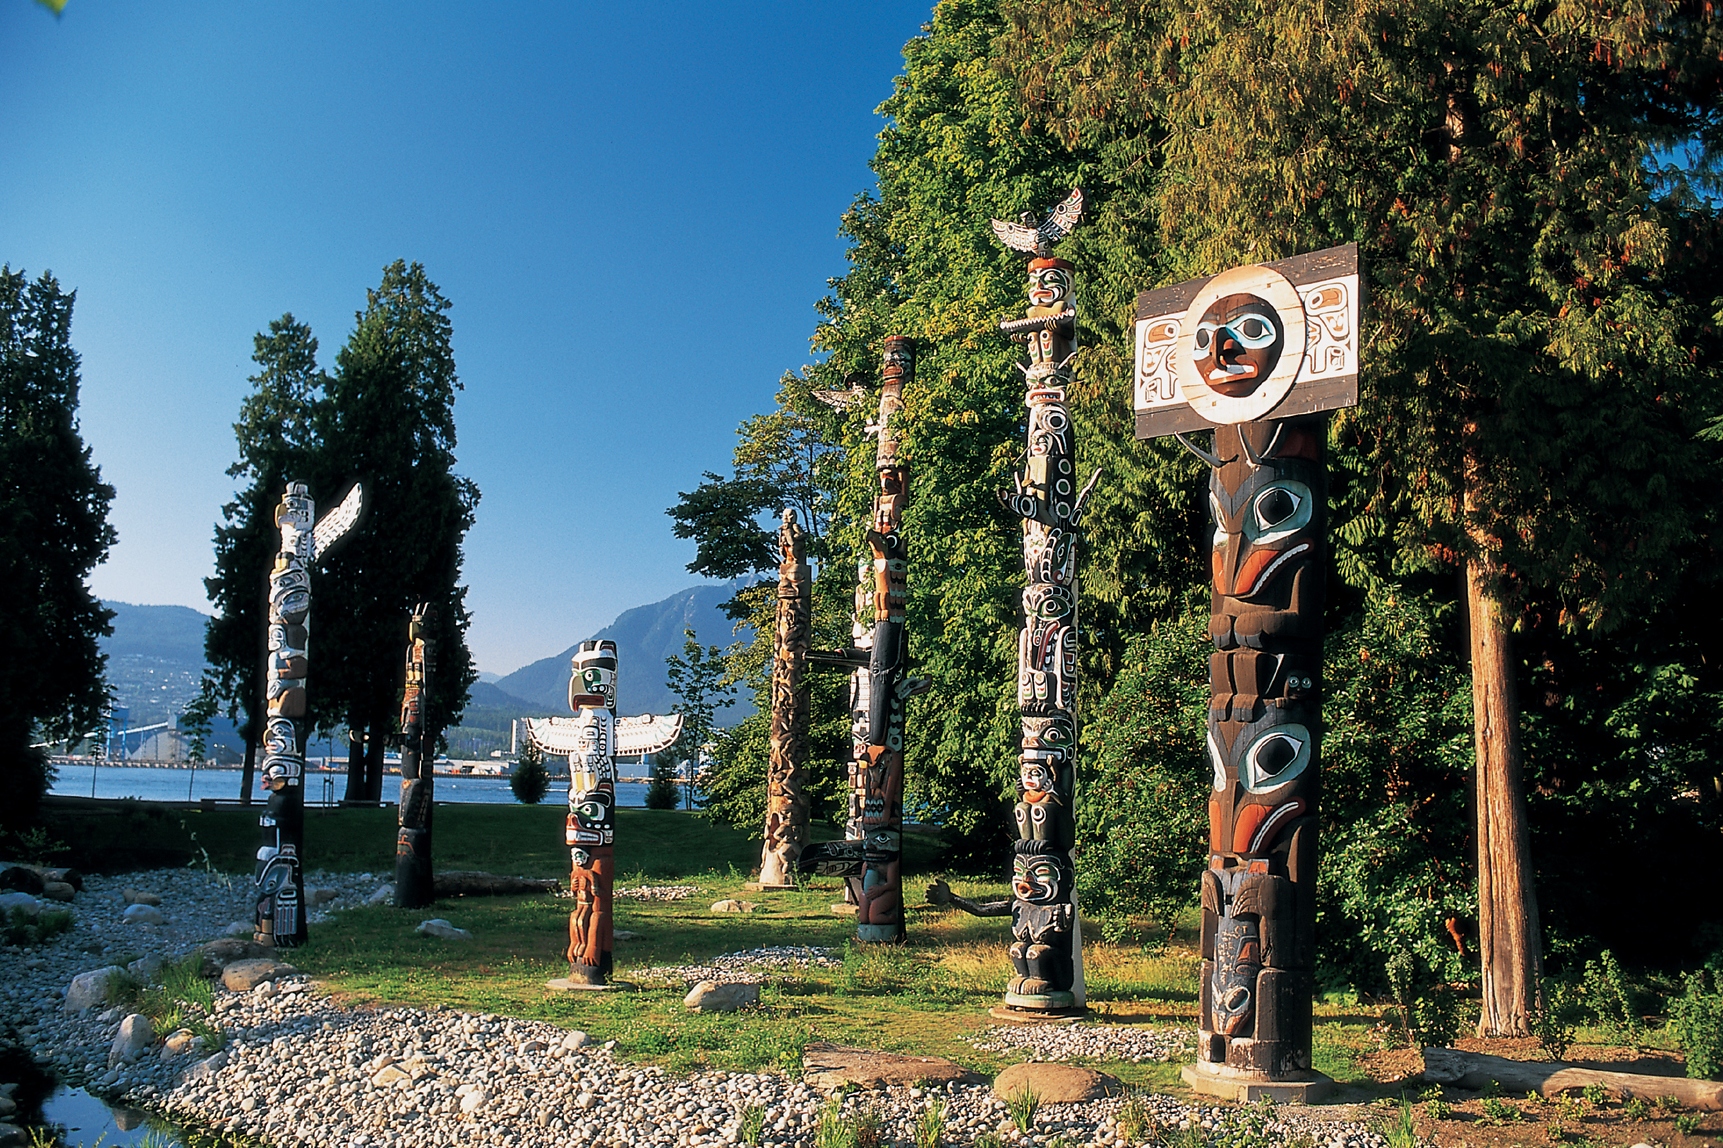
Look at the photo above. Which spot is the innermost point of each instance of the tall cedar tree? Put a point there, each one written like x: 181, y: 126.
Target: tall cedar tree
x: 1540, y: 352
x: 387, y: 419
x: 276, y: 440
x: 53, y: 531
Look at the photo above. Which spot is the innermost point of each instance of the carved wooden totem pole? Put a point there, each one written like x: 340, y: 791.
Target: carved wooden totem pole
x: 418, y: 757
x: 786, y: 774
x: 591, y: 739
x: 1253, y: 354
x: 1047, y: 943
x: 870, y: 856
x: 279, y: 887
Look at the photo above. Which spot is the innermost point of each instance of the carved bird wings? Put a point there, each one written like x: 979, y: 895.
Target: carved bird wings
x: 1039, y: 240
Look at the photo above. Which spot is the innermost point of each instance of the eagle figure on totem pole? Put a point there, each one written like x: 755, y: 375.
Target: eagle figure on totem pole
x: 1038, y: 240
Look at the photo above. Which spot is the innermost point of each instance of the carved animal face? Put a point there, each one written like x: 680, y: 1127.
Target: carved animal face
x: 1040, y: 878
x: 1238, y: 343
x: 1263, y: 533
x: 1264, y: 780
x: 1237, y: 961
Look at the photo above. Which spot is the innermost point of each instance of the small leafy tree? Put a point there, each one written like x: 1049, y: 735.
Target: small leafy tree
x: 701, y: 679
x: 529, y: 782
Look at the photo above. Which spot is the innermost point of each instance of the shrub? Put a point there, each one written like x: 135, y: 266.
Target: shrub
x: 529, y: 782
x: 1696, y: 1018
x: 662, y: 793
x: 19, y: 928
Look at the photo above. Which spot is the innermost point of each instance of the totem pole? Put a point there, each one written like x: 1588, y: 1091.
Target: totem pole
x: 1254, y: 354
x: 870, y: 856
x: 1047, y: 941
x: 591, y: 739
x: 418, y: 755
x: 786, y: 773
x: 279, y: 888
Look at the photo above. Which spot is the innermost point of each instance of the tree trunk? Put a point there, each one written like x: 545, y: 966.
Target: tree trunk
x: 375, y: 746
x: 1508, y: 939
x: 249, y: 775
x: 355, y: 794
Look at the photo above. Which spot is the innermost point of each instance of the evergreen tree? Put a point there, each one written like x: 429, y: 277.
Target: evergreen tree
x: 662, y: 792
x: 53, y: 531
x: 276, y: 441
x: 387, y: 419
x: 529, y: 781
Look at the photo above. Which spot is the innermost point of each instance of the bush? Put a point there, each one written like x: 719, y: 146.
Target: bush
x: 663, y: 792
x: 529, y: 782
x: 19, y: 928
x: 1696, y: 1018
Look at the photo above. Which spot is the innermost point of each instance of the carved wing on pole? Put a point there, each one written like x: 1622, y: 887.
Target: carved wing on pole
x: 647, y: 733
x: 559, y: 735
x: 332, y: 526
x: 1034, y: 240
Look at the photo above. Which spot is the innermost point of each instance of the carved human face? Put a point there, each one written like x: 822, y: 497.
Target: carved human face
x: 1049, y: 287
x: 1038, y: 878
x: 1238, y: 343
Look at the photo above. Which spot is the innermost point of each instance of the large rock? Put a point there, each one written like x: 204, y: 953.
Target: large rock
x: 832, y: 1066
x: 243, y: 976
x: 207, y: 1067
x: 136, y: 1033
x: 143, y: 915
x: 214, y: 956
x: 710, y: 996
x: 90, y: 989
x: 317, y: 897
x: 240, y: 929
x: 146, y: 969
x: 140, y: 896
x: 733, y: 906
x: 9, y: 901
x: 58, y: 890
x: 437, y: 927
x: 1055, y: 1083
x: 381, y: 895
x: 22, y: 878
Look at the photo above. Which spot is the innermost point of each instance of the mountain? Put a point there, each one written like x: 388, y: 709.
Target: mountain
x: 155, y: 659
x: 644, y: 637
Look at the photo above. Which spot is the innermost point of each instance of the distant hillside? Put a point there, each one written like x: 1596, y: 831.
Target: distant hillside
x: 644, y: 637
x: 155, y: 659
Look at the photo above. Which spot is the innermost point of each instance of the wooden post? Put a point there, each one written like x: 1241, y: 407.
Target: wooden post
x: 786, y: 832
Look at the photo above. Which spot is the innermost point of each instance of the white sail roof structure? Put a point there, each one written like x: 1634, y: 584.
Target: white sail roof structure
x: 648, y: 733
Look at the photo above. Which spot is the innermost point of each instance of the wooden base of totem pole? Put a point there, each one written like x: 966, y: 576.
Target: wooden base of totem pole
x: 1030, y: 1016
x: 564, y: 985
x: 1230, y: 1084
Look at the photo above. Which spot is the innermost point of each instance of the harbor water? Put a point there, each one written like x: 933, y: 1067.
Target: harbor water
x: 155, y: 784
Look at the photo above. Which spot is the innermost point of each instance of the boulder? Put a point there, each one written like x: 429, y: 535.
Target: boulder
x: 140, y: 897
x: 829, y: 1067
x: 389, y: 1074
x: 58, y: 890
x: 316, y: 897
x: 21, y: 878
x: 710, y: 996
x: 473, y: 1101
x: 437, y: 927
x: 146, y: 969
x: 240, y: 929
x: 1055, y: 1083
x: 733, y: 906
x: 243, y: 976
x: 214, y: 956
x: 136, y: 1033
x: 576, y: 1039
x: 90, y: 989
x: 143, y: 915
x: 208, y: 1066
x: 9, y: 901
x: 12, y: 1136
x: 177, y: 1042
x: 382, y: 895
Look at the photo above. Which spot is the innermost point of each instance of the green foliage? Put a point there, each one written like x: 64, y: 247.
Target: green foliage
x: 1555, y: 1017
x: 858, y: 1128
x: 1022, y: 1105
x: 930, y: 1125
x: 1402, y: 1132
x: 1696, y: 1019
x: 751, y: 1129
x: 53, y: 531
x: 20, y: 928
x: 662, y: 793
x: 1687, y: 1123
x: 1498, y: 1111
x: 1608, y: 999
x: 1430, y: 1011
x: 1248, y: 1127
x: 529, y: 781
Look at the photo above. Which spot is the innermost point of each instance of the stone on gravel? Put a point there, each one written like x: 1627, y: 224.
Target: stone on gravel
x: 146, y: 969
x: 625, y: 935
x: 136, y: 1034
x: 239, y: 929
x: 473, y: 1100
x: 207, y: 1067
x: 90, y: 989
x: 382, y: 895
x: 830, y: 1067
x: 389, y: 1074
x: 58, y: 890
x: 214, y: 956
x: 437, y: 927
x: 143, y: 915
x: 734, y: 906
x: 140, y: 896
x: 316, y: 897
x: 576, y: 1039
x: 177, y: 1042
x: 9, y: 901
x: 710, y: 996
x: 243, y: 976
x: 11, y: 1134
x: 1055, y: 1083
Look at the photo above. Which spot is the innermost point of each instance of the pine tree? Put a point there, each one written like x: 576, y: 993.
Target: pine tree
x: 53, y: 531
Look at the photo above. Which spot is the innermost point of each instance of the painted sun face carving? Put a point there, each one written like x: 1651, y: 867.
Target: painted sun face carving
x: 1238, y: 344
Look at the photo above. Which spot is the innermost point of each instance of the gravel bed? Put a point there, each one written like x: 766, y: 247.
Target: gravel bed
x: 746, y: 966
x: 300, y: 1070
x: 657, y: 892
x: 1135, y: 1044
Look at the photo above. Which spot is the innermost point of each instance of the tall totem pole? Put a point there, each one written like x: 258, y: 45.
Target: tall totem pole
x: 1254, y: 354
x: 413, y: 885
x: 870, y: 856
x: 1047, y: 942
x: 279, y: 888
x: 786, y: 774
x: 591, y: 739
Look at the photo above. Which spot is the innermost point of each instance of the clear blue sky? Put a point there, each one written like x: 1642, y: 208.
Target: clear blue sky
x: 633, y: 208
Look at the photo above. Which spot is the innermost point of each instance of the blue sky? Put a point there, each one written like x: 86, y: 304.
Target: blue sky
x: 632, y: 207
